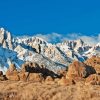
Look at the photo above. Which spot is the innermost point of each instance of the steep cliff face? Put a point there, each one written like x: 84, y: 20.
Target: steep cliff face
x: 53, y: 56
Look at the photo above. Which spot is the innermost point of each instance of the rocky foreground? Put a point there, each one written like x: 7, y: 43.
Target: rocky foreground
x: 81, y: 81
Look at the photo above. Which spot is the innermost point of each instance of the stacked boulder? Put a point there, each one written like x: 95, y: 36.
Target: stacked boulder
x: 76, y: 72
x: 93, y: 79
x: 94, y: 62
x: 79, y: 70
x: 30, y: 71
x: 87, y: 72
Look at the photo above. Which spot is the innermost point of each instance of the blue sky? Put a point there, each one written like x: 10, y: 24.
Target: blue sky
x: 47, y: 16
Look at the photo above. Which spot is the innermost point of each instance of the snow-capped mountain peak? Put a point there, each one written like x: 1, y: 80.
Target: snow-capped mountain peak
x: 35, y: 49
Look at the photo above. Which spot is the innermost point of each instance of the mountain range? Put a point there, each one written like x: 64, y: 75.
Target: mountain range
x: 19, y: 50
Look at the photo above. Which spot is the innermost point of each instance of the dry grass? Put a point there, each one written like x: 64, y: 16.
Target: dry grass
x: 18, y: 90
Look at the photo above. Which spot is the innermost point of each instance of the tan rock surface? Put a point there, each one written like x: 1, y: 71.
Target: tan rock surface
x: 94, y: 62
x: 35, y: 77
x: 77, y: 69
x: 12, y: 73
x: 93, y: 79
x: 49, y: 78
x: 65, y: 82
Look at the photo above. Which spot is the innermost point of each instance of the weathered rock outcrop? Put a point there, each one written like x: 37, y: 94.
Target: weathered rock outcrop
x: 12, y: 73
x: 62, y: 73
x: 94, y: 62
x: 33, y: 67
x: 49, y: 79
x: 87, y: 73
x: 31, y: 71
x: 2, y: 77
x: 64, y: 81
x: 93, y: 79
x: 36, y: 77
x: 97, y: 68
x: 79, y: 69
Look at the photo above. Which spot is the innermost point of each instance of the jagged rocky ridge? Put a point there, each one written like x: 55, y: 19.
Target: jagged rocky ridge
x: 54, y: 57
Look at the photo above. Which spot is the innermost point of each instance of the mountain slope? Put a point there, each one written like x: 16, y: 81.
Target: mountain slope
x: 54, y: 57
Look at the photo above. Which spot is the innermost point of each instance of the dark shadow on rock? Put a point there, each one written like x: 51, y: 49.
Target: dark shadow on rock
x: 90, y: 70
x: 38, y: 69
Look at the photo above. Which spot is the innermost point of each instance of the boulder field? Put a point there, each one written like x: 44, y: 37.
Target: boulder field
x: 87, y: 72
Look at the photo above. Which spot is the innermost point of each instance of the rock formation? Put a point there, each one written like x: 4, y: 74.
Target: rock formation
x: 78, y: 72
x: 93, y: 79
x: 65, y: 82
x: 31, y: 71
x: 94, y: 62
x: 12, y: 73
x: 36, y: 77
x: 2, y: 77
x: 55, y: 57
x: 49, y: 79
x: 79, y: 69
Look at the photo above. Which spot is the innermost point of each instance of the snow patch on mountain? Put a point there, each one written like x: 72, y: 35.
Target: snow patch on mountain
x: 58, y: 56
